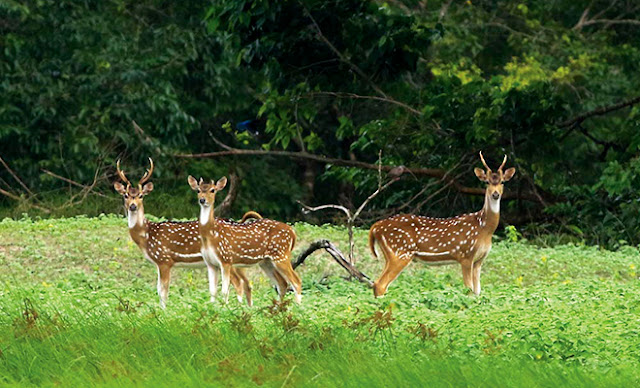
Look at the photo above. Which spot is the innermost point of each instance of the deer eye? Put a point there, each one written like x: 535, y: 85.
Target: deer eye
x: 126, y: 196
x: 212, y: 190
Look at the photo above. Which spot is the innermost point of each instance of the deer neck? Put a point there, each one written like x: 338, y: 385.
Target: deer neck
x: 137, y: 225
x: 206, y: 216
x: 491, y: 213
x: 136, y: 218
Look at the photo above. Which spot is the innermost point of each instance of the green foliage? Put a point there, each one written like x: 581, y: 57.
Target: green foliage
x: 430, y: 86
x: 79, y: 307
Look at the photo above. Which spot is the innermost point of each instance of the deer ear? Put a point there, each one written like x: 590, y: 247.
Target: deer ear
x: 147, y: 188
x: 508, y: 174
x: 480, y: 174
x: 120, y: 188
x: 193, y: 183
x: 221, y: 183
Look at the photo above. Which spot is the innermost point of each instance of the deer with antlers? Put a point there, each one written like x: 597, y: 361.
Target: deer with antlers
x: 227, y: 244
x: 465, y: 239
x: 169, y: 244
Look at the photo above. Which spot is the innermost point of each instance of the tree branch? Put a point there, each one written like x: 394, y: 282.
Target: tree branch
x: 74, y: 183
x: 612, y: 21
x: 20, y: 199
x: 603, y: 110
x: 357, y: 96
x: 225, y: 205
x: 313, y: 209
x: 341, y: 56
x: 439, y: 173
x: 15, y: 176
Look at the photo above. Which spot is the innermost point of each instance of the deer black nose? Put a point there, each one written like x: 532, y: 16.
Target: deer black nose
x: 133, y: 207
x: 495, y: 195
x: 203, y: 201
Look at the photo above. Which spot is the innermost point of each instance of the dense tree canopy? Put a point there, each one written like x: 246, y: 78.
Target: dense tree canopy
x: 427, y: 83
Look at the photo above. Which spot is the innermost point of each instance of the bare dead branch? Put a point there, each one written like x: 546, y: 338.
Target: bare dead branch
x: 337, y: 255
x: 74, y: 183
x: 83, y: 193
x: 357, y: 96
x: 316, y: 208
x: 372, y: 196
x: 15, y: 176
x: 23, y: 200
x: 633, y: 22
x: 583, y: 18
x: 218, y: 142
x: 351, y: 218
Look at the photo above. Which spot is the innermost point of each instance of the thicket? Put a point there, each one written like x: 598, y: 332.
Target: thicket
x: 428, y: 83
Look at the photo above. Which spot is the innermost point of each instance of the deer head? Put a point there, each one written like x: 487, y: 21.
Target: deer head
x: 133, y: 195
x: 207, y: 191
x: 206, y: 195
x: 495, y: 180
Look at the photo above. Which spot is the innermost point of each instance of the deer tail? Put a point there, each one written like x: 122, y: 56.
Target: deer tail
x: 250, y: 214
x: 372, y: 242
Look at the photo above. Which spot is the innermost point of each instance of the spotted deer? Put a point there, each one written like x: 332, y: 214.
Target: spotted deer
x: 169, y: 244
x: 227, y: 244
x: 465, y: 239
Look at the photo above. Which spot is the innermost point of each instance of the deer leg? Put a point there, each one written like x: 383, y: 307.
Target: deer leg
x: 236, y: 281
x: 164, y: 278
x: 393, y: 266
x: 245, y: 285
x: 281, y: 280
x: 467, y: 275
x: 477, y: 268
x: 281, y: 284
x: 212, y: 273
x: 225, y: 270
x: 286, y: 270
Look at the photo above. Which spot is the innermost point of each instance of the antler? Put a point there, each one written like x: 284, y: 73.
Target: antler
x: 504, y: 161
x: 121, y: 174
x: 483, y: 162
x: 147, y: 174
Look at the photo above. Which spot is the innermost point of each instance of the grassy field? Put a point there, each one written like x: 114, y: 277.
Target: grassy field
x: 78, y: 307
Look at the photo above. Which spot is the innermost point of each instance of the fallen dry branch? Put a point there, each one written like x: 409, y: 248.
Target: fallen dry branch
x: 352, y: 217
x: 82, y: 194
x: 15, y: 176
x: 337, y: 255
x: 17, y: 198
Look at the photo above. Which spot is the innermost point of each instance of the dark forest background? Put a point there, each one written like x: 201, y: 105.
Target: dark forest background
x: 317, y: 86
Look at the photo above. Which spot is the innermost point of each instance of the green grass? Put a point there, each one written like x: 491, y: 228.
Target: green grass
x: 78, y: 307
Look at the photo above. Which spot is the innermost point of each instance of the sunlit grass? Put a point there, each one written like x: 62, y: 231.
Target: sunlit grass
x: 78, y: 307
